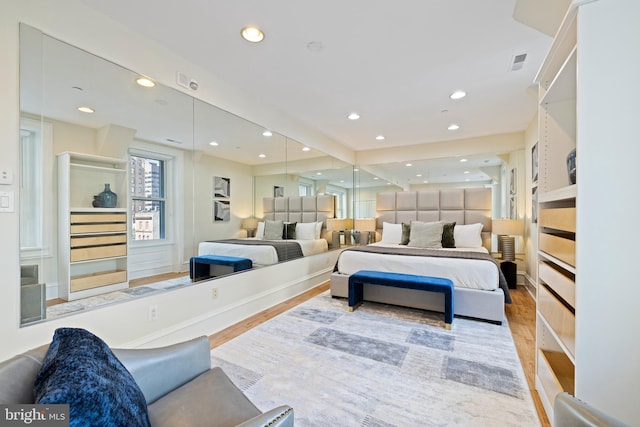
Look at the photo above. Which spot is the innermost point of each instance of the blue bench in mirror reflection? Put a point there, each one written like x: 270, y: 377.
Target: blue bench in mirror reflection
x: 201, y: 266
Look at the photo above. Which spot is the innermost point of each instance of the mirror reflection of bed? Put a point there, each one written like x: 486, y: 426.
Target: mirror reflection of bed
x: 292, y: 227
x: 409, y: 223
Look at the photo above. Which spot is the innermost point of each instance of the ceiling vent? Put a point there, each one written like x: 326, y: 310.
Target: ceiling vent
x: 518, y: 62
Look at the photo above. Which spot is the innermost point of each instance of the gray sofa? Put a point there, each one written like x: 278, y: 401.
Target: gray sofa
x: 178, y: 383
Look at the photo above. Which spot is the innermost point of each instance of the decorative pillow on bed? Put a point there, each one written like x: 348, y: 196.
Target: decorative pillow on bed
x: 306, y: 230
x: 448, y: 237
x: 426, y: 234
x: 391, y: 233
x: 318, y: 229
x: 260, y: 230
x: 289, y: 231
x: 406, y: 233
x: 273, y: 229
x: 468, y: 236
x: 80, y: 370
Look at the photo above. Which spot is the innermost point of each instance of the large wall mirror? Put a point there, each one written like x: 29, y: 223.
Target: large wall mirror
x: 182, y: 171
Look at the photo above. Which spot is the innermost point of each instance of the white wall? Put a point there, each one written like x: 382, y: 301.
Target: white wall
x: 607, y: 288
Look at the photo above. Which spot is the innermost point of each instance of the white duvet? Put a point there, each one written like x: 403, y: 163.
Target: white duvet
x: 260, y: 254
x: 464, y: 273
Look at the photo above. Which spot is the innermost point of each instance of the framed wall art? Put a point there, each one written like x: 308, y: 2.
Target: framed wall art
x: 221, y: 187
x: 221, y: 210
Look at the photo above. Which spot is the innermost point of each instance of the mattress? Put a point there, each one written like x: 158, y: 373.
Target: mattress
x: 464, y: 273
x: 260, y: 254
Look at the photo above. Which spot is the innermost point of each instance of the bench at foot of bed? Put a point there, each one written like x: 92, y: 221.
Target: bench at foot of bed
x: 200, y: 266
x: 400, y: 280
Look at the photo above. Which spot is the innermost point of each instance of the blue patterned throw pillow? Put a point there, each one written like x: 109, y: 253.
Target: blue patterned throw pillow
x: 81, y: 370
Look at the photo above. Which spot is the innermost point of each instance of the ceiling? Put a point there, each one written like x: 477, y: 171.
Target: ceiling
x: 394, y: 63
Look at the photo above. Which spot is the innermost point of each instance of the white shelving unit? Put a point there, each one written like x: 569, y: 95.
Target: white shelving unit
x: 92, y: 242
x: 556, y: 306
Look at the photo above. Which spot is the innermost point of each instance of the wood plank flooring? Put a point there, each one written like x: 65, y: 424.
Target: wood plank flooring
x: 521, y: 316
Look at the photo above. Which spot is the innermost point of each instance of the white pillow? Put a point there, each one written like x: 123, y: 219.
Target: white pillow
x: 260, y: 230
x: 391, y: 233
x: 306, y: 230
x: 468, y: 236
x: 318, y: 229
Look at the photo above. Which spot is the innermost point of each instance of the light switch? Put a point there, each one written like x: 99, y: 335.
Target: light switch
x: 6, y: 201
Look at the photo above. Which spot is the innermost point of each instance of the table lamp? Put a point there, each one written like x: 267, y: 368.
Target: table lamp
x: 506, y: 229
x: 366, y: 225
x: 250, y: 224
x: 336, y: 225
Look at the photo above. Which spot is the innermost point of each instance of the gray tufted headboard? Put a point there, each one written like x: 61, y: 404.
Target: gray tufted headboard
x: 300, y: 208
x: 462, y: 205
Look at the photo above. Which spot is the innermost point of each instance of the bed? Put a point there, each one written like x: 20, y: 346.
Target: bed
x: 292, y: 227
x: 480, y: 290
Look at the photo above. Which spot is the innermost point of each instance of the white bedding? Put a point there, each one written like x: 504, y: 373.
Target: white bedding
x: 465, y: 273
x: 260, y: 254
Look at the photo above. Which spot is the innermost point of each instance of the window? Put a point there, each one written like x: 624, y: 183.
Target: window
x: 341, y: 200
x: 148, y: 198
x: 305, y: 188
x: 35, y: 201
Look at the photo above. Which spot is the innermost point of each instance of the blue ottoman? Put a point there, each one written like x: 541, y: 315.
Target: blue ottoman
x: 401, y: 280
x: 200, y: 266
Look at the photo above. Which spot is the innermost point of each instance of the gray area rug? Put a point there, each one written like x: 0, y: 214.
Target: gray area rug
x: 380, y: 366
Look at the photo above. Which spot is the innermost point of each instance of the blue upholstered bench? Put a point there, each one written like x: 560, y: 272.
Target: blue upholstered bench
x: 200, y: 266
x: 400, y: 280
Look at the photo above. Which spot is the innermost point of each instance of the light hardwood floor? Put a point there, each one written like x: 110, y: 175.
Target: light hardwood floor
x: 521, y: 316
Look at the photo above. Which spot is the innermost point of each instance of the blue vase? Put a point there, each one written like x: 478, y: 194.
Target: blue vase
x: 571, y: 166
x: 108, y: 199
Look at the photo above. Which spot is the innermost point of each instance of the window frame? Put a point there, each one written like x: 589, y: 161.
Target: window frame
x: 167, y: 180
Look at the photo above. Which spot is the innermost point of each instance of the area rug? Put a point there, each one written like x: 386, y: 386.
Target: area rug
x: 380, y: 366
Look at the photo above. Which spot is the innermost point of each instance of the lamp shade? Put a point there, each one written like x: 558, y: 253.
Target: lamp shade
x: 507, y: 227
x: 365, y: 224
x: 336, y: 224
x: 249, y: 223
x: 348, y: 224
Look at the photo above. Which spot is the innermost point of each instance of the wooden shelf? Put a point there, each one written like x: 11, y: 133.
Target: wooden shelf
x: 92, y: 242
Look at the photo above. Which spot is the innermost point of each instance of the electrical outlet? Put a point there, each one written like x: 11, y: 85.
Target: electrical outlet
x: 6, y: 177
x: 214, y: 293
x: 153, y: 312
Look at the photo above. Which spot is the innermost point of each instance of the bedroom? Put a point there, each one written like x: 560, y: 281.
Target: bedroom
x: 163, y: 63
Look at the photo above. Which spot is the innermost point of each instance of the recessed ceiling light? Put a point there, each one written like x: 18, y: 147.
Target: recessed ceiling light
x: 409, y: 164
x: 425, y: 182
x: 252, y: 34
x: 459, y: 94
x: 267, y: 133
x: 306, y: 149
x: 453, y: 126
x: 353, y: 116
x: 145, y: 82
x: 375, y: 178
x: 262, y: 156
x: 318, y: 173
x: 467, y: 180
x: 380, y: 137
x: 86, y: 109
x: 213, y: 144
x: 418, y: 175
x: 463, y: 160
x: 466, y: 171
